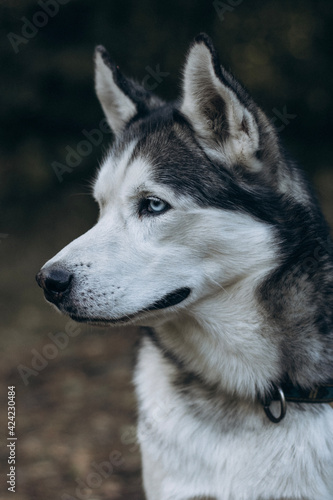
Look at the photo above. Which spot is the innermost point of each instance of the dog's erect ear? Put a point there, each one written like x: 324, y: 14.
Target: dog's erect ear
x: 121, y: 98
x: 111, y: 91
x: 219, y: 109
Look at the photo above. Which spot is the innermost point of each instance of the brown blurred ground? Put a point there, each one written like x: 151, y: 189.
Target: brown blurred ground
x: 80, y: 407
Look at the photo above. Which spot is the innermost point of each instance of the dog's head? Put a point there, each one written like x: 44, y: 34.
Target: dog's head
x: 195, y: 197
x: 171, y: 228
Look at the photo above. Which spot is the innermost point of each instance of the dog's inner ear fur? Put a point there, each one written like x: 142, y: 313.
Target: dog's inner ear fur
x: 118, y: 107
x: 212, y: 103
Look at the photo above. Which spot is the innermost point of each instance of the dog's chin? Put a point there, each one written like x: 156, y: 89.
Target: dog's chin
x: 170, y: 300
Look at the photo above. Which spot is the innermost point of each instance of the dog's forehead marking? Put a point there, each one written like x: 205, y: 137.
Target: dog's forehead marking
x: 112, y: 173
x: 124, y: 176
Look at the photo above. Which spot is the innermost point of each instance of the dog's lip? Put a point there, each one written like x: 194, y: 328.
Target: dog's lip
x: 170, y: 299
x: 102, y: 321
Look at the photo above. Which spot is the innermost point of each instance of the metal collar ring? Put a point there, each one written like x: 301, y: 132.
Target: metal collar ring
x: 283, y: 407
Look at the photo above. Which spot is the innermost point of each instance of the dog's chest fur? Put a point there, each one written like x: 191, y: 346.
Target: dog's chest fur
x: 198, y: 442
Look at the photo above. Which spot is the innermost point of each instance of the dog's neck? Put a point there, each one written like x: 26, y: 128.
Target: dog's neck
x: 238, y: 354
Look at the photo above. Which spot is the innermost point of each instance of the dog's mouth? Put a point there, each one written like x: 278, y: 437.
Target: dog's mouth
x: 169, y: 300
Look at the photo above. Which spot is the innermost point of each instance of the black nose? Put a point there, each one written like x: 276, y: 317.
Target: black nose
x: 54, y: 281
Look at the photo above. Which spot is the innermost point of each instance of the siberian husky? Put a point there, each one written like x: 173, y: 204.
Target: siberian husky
x: 210, y: 238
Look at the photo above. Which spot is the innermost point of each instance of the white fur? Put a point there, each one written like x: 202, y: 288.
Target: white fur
x: 118, y: 108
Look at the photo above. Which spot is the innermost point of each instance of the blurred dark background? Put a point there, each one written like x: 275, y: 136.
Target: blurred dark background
x: 78, y: 408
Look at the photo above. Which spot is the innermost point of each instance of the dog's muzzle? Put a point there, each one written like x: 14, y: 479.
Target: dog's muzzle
x: 55, y: 282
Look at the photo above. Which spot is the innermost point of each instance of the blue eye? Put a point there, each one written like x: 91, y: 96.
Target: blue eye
x: 156, y: 206
x: 153, y: 206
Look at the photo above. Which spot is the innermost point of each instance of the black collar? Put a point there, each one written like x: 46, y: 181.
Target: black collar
x: 321, y: 394
x: 288, y: 392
